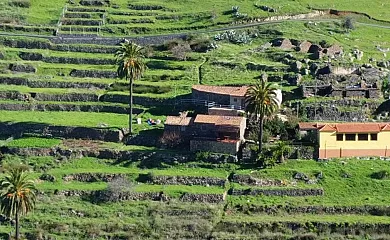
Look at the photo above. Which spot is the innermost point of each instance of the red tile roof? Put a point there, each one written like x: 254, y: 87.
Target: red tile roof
x: 358, y: 127
x: 177, y: 120
x: 346, y: 127
x: 327, y: 128
x: 219, y: 120
x: 223, y: 90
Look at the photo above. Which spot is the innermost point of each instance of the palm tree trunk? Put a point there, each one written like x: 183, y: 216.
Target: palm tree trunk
x: 260, y: 137
x: 17, y: 225
x: 131, y: 107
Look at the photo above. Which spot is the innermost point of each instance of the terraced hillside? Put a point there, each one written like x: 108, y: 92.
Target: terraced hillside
x: 123, y: 18
x: 64, y: 112
x: 178, y: 199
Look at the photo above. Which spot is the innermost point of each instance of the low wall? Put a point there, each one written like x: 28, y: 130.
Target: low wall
x: 26, y: 106
x: 205, y: 198
x: 213, y: 146
x: 18, y: 129
x: 188, y: 180
x: 249, y: 180
x: 108, y: 196
x: 93, y: 177
x: 298, y: 192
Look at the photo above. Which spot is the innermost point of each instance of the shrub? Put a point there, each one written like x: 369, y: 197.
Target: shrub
x: 181, y: 50
x: 171, y: 139
x: 348, y: 24
x: 380, y: 175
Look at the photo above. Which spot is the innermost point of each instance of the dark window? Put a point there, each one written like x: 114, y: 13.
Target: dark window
x: 340, y: 137
x: 235, y: 99
x: 350, y: 137
x: 374, y: 136
x: 363, y: 137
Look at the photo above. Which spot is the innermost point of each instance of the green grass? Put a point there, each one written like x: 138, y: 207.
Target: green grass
x: 302, y: 218
x: 92, y: 165
x: 359, y: 189
x: 34, y: 142
x: 178, y: 190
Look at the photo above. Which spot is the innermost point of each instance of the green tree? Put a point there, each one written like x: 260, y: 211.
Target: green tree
x: 17, y: 194
x: 280, y: 150
x: 261, y: 100
x: 129, y: 59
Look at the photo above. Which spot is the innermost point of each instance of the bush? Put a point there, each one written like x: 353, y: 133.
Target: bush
x: 380, y: 175
x: 348, y: 23
x: 171, y: 139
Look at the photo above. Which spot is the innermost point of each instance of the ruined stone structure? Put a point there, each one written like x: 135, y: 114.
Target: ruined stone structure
x: 212, y: 133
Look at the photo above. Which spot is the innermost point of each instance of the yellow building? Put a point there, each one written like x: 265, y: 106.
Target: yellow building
x: 351, y: 139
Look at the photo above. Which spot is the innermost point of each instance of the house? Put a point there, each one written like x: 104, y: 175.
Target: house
x: 351, y: 139
x: 212, y: 133
x: 221, y: 95
x: 225, y: 96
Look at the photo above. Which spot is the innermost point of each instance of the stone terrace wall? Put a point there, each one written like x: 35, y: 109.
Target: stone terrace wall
x: 18, y: 129
x: 151, y: 40
x: 206, y: 198
x: 298, y: 192
x: 213, y: 146
x: 188, y: 180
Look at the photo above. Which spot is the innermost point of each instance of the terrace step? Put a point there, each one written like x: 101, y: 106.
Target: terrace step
x: 52, y: 84
x: 73, y: 132
x: 86, y: 97
x: 69, y: 107
x: 86, y: 9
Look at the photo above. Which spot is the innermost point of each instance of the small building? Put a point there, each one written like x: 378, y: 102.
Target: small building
x: 336, y: 140
x: 221, y: 95
x: 212, y: 133
x: 225, y: 96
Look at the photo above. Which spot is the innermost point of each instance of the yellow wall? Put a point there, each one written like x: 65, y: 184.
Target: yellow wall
x: 327, y: 140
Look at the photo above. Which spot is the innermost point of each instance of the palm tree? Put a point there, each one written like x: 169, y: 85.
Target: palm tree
x: 17, y: 194
x: 262, y: 102
x: 129, y: 59
x: 280, y: 150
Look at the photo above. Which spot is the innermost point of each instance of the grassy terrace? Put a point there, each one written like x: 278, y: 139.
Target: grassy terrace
x: 86, y: 119
x: 309, y: 218
x: 360, y: 188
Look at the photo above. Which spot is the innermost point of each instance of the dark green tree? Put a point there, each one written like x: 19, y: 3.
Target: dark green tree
x: 131, y: 66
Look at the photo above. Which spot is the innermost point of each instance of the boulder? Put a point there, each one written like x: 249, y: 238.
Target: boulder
x: 304, y: 46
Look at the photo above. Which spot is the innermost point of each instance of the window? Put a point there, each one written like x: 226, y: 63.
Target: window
x: 235, y: 99
x: 340, y: 137
x: 350, y: 137
x: 374, y: 137
x: 363, y: 137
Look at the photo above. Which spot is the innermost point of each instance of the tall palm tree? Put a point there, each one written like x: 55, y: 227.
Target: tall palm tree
x: 261, y: 100
x: 17, y: 194
x: 131, y: 66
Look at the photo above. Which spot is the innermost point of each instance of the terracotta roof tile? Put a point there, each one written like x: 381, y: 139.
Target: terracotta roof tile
x: 385, y: 127
x: 307, y: 125
x: 327, y: 128
x: 177, y: 120
x: 224, y: 90
x: 358, y: 127
x: 219, y: 120
x: 351, y: 127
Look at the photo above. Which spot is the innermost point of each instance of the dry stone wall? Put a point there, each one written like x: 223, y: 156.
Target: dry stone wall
x: 188, y: 180
x: 18, y: 129
x: 298, y: 192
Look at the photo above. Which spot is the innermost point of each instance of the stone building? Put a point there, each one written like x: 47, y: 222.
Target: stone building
x: 212, y: 133
x: 225, y: 96
x: 221, y: 95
